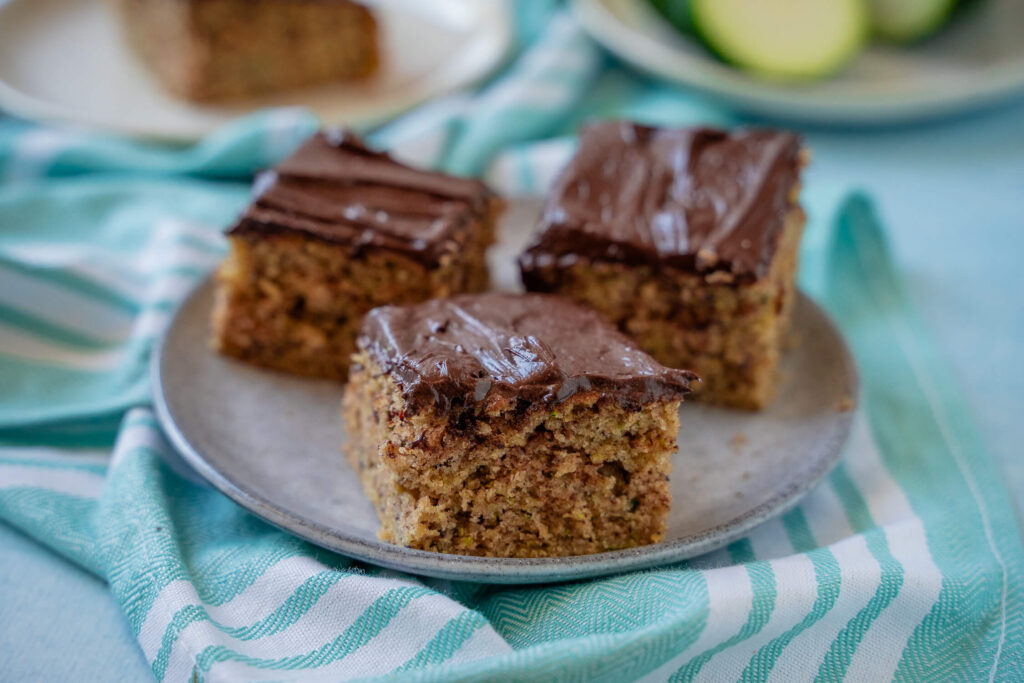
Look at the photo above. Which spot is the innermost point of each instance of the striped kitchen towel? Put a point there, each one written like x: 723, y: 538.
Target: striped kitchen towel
x: 905, y: 563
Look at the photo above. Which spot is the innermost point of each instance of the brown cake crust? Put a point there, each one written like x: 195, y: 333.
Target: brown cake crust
x: 687, y: 240
x: 502, y: 437
x: 215, y: 50
x: 334, y: 231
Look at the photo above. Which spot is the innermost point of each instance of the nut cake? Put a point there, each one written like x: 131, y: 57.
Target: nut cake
x: 335, y: 230
x: 511, y: 425
x: 687, y: 240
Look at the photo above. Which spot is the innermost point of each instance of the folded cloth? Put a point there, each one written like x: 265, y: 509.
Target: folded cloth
x: 905, y: 563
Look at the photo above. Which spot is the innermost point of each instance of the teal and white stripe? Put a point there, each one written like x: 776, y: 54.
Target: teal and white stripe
x: 256, y: 604
x: 905, y: 564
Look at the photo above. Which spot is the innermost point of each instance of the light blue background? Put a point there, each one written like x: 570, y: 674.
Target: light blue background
x: 952, y: 197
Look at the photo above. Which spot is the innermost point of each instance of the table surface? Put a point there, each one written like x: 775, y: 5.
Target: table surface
x: 951, y: 195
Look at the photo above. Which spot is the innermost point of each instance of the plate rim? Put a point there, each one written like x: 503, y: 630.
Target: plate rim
x: 1001, y: 82
x: 492, y: 569
x: 25, y: 105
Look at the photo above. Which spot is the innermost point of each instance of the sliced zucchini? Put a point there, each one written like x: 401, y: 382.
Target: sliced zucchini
x: 783, y: 39
x: 904, y: 21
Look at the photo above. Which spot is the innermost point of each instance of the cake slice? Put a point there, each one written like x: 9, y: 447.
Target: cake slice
x: 687, y: 240
x: 214, y: 50
x: 511, y: 425
x: 333, y: 231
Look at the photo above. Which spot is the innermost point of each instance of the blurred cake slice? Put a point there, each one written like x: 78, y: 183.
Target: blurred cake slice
x: 208, y: 50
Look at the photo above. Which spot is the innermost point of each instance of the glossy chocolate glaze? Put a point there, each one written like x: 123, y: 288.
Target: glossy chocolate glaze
x: 336, y: 189
x: 697, y: 200
x: 485, y: 349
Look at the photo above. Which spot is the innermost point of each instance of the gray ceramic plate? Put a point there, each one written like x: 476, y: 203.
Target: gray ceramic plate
x: 271, y: 442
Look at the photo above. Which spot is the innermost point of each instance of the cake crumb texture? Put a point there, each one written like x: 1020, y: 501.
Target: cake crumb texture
x: 586, y: 477
x: 511, y: 425
x: 294, y: 304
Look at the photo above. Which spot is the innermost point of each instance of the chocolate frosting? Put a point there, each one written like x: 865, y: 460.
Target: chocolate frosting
x: 698, y: 199
x: 484, y: 349
x: 336, y: 189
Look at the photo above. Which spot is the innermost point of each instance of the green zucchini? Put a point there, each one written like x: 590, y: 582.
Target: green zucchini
x: 783, y: 39
x: 904, y: 21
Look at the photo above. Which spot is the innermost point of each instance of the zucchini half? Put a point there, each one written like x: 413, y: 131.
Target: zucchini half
x: 783, y: 39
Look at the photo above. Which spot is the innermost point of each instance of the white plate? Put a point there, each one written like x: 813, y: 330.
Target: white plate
x: 272, y: 443
x: 65, y: 60
x: 976, y: 62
